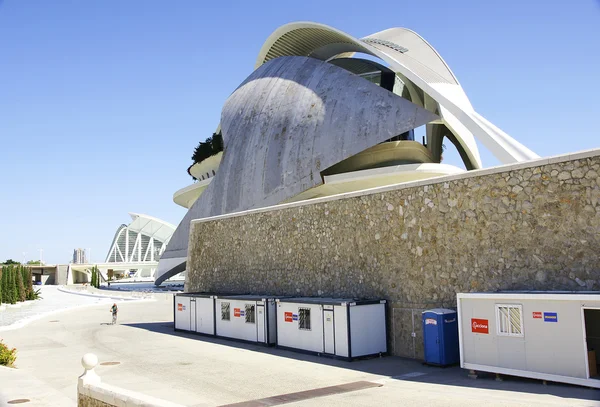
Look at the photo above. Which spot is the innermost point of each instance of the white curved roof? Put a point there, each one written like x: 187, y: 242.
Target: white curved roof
x: 412, y: 58
x: 151, y: 227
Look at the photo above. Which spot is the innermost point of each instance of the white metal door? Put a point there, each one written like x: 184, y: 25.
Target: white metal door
x: 260, y: 324
x: 193, y: 315
x: 328, y: 331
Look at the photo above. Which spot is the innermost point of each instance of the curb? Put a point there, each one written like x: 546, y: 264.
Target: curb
x: 113, y: 297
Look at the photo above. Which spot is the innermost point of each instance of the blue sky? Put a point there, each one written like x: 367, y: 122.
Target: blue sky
x: 103, y: 102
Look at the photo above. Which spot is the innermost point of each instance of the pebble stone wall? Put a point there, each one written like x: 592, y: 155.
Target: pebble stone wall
x: 87, y: 401
x: 530, y: 226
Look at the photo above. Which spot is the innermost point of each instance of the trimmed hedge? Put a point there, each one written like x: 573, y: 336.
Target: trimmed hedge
x: 16, y: 284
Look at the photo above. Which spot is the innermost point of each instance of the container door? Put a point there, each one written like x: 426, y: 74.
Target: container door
x: 193, y: 315
x: 260, y: 324
x: 328, y: 331
x: 431, y: 338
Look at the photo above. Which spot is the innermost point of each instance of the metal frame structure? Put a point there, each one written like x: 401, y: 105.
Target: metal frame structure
x: 139, y: 245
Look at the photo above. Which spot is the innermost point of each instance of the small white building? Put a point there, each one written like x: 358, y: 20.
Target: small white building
x: 249, y: 318
x: 344, y: 328
x: 194, y: 312
x: 552, y: 336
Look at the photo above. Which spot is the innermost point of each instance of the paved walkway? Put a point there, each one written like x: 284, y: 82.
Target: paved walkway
x: 52, y: 300
x: 201, y: 371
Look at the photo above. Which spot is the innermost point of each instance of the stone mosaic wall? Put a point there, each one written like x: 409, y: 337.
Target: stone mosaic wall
x: 87, y: 401
x: 522, y: 227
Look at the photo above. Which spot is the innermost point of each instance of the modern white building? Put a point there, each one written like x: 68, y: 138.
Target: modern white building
x: 269, y: 159
x: 137, y: 247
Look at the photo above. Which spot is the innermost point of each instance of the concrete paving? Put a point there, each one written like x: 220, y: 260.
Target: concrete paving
x: 204, y: 371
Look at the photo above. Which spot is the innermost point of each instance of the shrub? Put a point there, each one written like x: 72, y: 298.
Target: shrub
x: 7, y: 356
x: 36, y: 294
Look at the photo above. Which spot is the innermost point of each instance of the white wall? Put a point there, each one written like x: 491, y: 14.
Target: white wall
x: 236, y: 327
x: 205, y: 315
x: 288, y: 333
x: 555, y: 348
x: 340, y: 321
x: 182, y: 313
x: 367, y: 329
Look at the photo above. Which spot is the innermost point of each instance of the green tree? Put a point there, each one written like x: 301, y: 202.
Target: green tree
x: 3, y: 285
x: 23, y: 271
x: 34, y: 262
x: 28, y: 283
x: 96, y: 276
x: 10, y: 261
x: 0, y: 286
x: 20, y: 286
x: 7, y: 285
x: 6, y: 291
x: 14, y: 286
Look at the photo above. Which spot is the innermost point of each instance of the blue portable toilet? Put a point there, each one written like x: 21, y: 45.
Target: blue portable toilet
x: 440, y: 337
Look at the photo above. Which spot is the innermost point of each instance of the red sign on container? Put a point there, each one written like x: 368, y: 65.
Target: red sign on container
x: 288, y: 316
x: 537, y: 315
x: 236, y: 312
x: 480, y: 326
x: 179, y: 307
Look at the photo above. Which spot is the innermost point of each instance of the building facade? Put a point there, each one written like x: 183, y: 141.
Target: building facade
x: 315, y: 120
x: 137, y: 247
x: 79, y: 256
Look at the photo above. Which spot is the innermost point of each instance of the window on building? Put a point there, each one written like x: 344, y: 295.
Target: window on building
x: 225, y: 314
x: 304, y: 318
x: 509, y: 320
x: 250, y: 318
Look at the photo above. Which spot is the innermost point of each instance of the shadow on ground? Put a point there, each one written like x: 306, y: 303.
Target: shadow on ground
x: 397, y: 368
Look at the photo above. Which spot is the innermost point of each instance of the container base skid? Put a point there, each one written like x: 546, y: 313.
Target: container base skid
x: 263, y: 344
x: 330, y: 356
x: 593, y: 383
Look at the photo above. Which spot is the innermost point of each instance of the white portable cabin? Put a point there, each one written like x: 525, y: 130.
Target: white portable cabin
x: 249, y: 318
x: 344, y: 328
x: 552, y: 336
x: 194, y: 312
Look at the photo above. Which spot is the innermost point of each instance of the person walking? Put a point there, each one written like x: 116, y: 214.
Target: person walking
x: 114, y: 309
